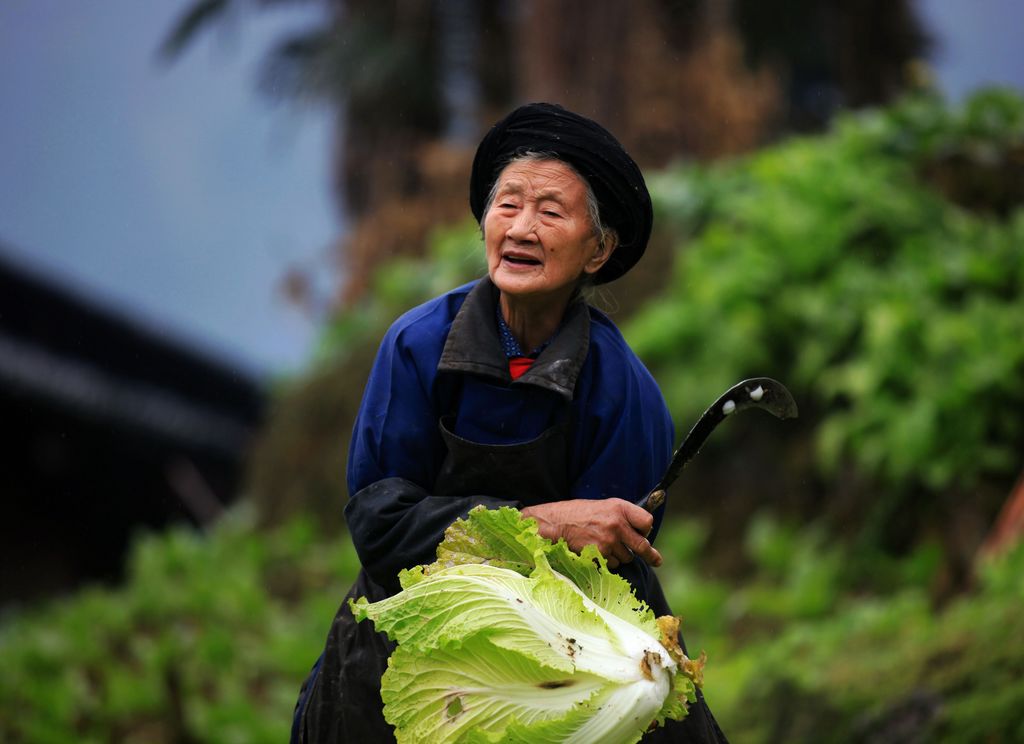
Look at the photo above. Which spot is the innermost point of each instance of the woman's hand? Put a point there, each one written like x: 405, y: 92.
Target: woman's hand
x: 617, y: 527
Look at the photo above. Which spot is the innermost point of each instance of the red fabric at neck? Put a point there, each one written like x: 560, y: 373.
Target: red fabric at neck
x: 517, y: 366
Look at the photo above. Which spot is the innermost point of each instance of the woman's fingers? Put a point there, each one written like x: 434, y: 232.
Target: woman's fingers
x: 637, y: 524
x: 624, y: 534
x: 621, y: 552
x: 637, y: 517
x: 642, y: 548
x: 634, y: 545
x: 618, y: 528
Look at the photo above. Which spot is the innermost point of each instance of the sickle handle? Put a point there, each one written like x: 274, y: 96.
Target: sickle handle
x: 653, y: 500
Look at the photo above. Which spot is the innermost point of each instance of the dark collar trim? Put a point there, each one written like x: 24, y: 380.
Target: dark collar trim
x: 473, y: 345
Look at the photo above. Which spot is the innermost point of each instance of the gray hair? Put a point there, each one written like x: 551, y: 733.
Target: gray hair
x: 602, y: 230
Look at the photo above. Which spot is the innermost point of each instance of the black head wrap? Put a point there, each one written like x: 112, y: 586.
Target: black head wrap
x: 615, y: 179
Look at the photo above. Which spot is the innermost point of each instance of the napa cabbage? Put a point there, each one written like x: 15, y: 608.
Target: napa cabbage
x: 508, y: 637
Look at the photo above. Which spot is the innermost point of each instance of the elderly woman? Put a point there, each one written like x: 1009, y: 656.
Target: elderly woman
x: 508, y: 391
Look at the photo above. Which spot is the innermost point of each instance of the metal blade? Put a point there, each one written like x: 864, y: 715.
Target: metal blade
x: 758, y: 392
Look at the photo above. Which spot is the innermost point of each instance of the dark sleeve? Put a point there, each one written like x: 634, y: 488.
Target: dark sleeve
x: 397, y: 524
x: 393, y: 518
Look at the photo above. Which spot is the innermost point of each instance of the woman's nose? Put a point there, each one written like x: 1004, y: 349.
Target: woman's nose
x: 523, y: 226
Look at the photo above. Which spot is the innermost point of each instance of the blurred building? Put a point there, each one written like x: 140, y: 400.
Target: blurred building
x: 107, y: 428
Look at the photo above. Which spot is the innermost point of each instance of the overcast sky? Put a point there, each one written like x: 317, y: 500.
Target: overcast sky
x: 178, y: 193
x: 175, y: 191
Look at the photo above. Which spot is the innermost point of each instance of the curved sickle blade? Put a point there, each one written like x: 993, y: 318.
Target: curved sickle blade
x: 757, y: 392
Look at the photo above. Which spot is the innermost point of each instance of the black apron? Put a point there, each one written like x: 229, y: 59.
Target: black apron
x: 340, y: 702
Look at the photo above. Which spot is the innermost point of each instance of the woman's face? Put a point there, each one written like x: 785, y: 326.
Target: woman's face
x: 538, y: 233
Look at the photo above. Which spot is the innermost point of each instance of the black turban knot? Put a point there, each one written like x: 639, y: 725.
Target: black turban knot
x: 615, y: 179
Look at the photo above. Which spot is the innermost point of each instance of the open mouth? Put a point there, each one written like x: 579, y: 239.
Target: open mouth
x: 521, y: 260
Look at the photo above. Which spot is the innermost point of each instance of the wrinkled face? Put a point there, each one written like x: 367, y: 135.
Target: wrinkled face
x: 538, y: 233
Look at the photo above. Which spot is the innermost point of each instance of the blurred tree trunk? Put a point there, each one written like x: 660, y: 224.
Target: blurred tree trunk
x: 832, y: 54
x: 416, y: 82
x: 573, y: 52
x: 668, y: 82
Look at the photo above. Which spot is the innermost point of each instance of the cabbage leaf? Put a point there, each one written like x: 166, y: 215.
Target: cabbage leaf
x: 508, y: 637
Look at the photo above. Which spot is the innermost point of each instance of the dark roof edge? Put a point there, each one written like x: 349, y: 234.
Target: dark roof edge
x: 69, y: 291
x: 96, y: 394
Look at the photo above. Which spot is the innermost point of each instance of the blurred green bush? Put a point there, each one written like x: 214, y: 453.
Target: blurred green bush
x: 879, y: 272
x: 454, y: 256
x: 886, y: 669
x: 212, y: 634
x: 793, y: 658
x: 208, y: 641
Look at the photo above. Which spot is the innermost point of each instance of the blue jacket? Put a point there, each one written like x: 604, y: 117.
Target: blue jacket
x: 620, y: 431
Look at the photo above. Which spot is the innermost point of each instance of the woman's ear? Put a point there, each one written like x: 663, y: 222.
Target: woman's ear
x: 605, y: 249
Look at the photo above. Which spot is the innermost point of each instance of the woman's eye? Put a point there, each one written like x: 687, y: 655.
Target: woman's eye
x: 551, y: 213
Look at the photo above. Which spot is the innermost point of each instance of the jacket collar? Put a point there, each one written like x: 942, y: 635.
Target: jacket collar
x: 473, y: 345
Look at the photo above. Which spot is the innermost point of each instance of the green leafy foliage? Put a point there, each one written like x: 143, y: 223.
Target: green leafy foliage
x: 794, y: 662
x: 209, y: 641
x: 841, y: 265
x: 882, y: 669
x: 212, y: 635
x: 454, y: 256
